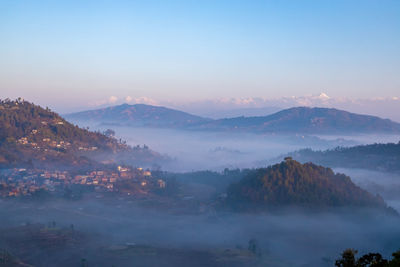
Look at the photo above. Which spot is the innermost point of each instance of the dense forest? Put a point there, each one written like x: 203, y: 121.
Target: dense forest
x: 33, y: 136
x: 291, y: 183
x: 383, y: 157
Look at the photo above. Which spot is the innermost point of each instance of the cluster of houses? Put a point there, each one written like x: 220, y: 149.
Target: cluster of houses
x: 23, y: 182
x: 13, y: 186
x: 46, y: 143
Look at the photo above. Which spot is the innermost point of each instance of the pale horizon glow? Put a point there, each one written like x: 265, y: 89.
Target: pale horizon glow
x: 75, y: 55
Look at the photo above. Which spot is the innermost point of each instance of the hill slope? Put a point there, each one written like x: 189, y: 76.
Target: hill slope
x: 383, y: 157
x: 307, y: 120
x: 138, y: 115
x: 291, y: 183
x: 33, y: 136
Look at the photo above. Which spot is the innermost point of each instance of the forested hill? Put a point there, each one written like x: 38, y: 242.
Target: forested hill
x: 291, y: 183
x: 20, y: 119
x: 32, y: 135
x: 383, y: 157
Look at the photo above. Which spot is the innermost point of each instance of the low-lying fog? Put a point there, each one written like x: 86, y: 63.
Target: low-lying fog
x: 193, y: 150
x: 387, y: 185
x: 210, y: 150
x: 293, y: 238
x: 196, y: 150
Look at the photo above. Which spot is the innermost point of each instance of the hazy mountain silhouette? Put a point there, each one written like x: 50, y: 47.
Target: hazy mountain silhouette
x: 308, y: 120
x: 294, y: 120
x: 138, y: 115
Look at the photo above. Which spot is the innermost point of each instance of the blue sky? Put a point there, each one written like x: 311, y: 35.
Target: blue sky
x: 72, y: 53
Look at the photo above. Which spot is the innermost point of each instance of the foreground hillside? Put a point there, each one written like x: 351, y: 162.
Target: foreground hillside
x: 291, y: 183
x: 33, y: 136
x: 382, y: 157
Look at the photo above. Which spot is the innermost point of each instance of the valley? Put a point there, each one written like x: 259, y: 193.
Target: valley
x: 221, y: 198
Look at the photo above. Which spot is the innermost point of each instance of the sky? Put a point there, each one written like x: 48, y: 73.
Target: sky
x: 76, y: 54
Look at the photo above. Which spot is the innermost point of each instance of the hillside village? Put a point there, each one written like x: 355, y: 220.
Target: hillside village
x: 47, y: 143
x: 29, y: 182
x: 33, y: 137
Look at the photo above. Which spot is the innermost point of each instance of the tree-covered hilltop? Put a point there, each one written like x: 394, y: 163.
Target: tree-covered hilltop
x: 20, y: 119
x: 291, y: 183
x: 384, y: 157
x: 33, y: 136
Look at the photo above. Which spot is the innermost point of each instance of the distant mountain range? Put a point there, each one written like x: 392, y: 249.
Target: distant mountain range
x: 34, y: 137
x: 303, y: 120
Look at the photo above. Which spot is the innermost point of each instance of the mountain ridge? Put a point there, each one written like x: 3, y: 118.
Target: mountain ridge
x: 310, y: 121
x: 306, y: 120
x: 139, y: 115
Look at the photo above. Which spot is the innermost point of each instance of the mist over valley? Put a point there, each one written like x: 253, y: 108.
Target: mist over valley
x: 175, y: 196
x: 199, y: 133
